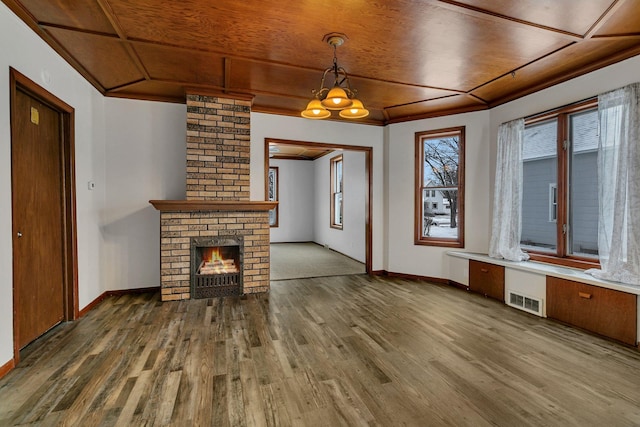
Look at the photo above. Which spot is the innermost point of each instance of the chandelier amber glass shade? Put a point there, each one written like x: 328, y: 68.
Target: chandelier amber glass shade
x: 355, y: 111
x: 315, y: 110
x: 336, y: 99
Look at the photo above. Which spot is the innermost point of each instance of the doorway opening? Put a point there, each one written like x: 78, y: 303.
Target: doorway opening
x: 45, y: 278
x: 323, y: 149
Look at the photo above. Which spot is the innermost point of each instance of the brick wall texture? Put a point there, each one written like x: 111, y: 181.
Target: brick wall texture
x: 176, y: 230
x: 218, y: 142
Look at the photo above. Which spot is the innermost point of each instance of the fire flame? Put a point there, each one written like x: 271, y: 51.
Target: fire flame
x: 211, y: 254
x: 214, y: 263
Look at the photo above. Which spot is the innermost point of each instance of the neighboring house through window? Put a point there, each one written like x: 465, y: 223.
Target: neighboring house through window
x: 439, y: 205
x: 560, y: 184
x: 337, y: 200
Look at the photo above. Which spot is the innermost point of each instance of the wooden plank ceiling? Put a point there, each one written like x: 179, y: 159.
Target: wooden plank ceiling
x: 287, y: 150
x: 407, y: 59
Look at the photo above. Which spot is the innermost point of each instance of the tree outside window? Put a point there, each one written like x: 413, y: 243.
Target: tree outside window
x: 440, y: 187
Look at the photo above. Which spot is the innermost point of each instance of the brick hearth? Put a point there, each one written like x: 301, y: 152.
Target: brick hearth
x: 217, y: 196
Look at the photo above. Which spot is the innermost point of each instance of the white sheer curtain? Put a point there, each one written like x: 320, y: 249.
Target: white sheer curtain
x: 507, y: 200
x: 619, y: 186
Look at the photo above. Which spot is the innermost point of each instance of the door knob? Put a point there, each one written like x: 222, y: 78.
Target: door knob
x: 19, y: 234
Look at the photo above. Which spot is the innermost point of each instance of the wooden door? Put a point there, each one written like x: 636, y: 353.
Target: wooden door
x: 38, y: 218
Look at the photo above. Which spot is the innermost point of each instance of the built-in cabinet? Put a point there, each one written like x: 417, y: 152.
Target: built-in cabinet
x: 604, y: 311
x: 568, y: 295
x: 486, y: 279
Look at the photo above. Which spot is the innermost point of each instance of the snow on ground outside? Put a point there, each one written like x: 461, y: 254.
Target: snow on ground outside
x: 441, y: 228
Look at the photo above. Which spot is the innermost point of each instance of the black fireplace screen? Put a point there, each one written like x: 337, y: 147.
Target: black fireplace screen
x: 216, y: 266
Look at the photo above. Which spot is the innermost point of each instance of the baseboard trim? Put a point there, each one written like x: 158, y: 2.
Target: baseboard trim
x: 458, y: 285
x: 120, y: 292
x: 92, y: 305
x: 117, y: 293
x: 7, y: 367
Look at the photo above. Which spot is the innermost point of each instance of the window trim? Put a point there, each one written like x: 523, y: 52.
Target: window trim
x: 277, y: 191
x: 333, y: 161
x: 561, y: 257
x: 419, y: 179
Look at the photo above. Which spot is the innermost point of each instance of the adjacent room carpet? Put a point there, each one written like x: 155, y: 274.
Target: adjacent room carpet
x: 307, y: 259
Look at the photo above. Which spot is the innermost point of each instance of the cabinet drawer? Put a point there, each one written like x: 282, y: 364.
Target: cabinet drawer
x: 603, y: 311
x: 486, y: 279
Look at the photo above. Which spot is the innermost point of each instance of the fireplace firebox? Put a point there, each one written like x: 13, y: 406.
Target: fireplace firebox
x: 216, y: 266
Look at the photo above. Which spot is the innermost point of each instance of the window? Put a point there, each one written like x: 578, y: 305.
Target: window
x: 273, y: 195
x: 336, y: 192
x: 440, y: 170
x: 560, y: 182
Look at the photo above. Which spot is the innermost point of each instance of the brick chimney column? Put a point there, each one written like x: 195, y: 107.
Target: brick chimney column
x: 218, y: 148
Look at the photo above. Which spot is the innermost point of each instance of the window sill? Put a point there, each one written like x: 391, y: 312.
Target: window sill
x: 581, y: 264
x: 440, y: 243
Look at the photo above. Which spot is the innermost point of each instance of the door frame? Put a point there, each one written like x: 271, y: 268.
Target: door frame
x: 19, y: 82
x: 368, y: 170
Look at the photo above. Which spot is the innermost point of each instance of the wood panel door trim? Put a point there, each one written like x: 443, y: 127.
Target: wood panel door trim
x: 368, y: 161
x: 19, y: 82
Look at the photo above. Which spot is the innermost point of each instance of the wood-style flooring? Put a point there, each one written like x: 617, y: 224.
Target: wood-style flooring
x: 336, y: 351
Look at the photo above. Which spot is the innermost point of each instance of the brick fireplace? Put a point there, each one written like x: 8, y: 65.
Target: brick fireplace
x: 217, y: 206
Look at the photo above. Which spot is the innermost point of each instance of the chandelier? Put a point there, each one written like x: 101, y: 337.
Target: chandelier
x: 340, y: 97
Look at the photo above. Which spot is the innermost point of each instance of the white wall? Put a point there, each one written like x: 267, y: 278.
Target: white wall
x: 23, y: 50
x: 296, y: 209
x: 351, y: 239
x: 299, y: 129
x: 431, y: 261
x: 145, y: 160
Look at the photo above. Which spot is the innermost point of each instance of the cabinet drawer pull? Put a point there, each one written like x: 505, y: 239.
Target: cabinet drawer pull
x: 484, y: 270
x: 584, y: 295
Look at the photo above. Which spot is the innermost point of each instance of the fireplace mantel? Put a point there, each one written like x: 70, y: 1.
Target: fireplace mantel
x: 211, y: 205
